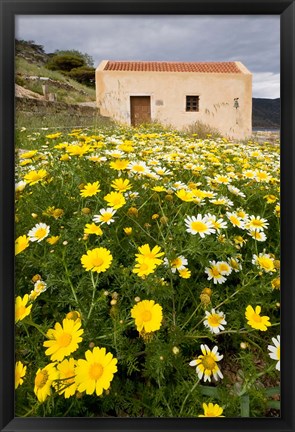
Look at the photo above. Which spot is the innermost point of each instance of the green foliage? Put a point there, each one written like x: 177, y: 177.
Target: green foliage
x: 84, y: 75
x: 65, y: 62
x: 88, y: 60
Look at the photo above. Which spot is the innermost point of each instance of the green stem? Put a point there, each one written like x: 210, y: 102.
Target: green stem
x: 192, y: 315
x: 31, y: 323
x: 165, y: 400
x: 185, y: 399
x: 94, y: 283
x: 70, y: 282
x: 170, y: 272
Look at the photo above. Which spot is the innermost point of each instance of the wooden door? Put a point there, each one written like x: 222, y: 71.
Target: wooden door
x: 140, y: 110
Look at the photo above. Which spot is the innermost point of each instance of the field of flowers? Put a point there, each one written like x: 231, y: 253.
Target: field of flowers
x: 147, y: 275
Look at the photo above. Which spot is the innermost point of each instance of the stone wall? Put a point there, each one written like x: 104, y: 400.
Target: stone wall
x: 43, y: 107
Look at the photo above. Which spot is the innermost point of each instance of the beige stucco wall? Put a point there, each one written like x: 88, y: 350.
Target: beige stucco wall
x: 168, y: 91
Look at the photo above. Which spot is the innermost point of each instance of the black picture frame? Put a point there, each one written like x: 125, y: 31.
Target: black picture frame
x: 10, y: 8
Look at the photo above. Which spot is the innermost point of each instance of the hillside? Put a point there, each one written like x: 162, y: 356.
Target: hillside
x: 31, y: 73
x: 266, y: 113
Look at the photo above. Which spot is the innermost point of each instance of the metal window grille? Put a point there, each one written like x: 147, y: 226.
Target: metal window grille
x: 192, y: 103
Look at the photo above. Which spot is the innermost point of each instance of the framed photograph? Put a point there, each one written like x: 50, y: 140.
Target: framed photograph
x: 146, y: 264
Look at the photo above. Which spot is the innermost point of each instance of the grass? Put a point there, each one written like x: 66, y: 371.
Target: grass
x: 78, y: 93
x: 34, y: 122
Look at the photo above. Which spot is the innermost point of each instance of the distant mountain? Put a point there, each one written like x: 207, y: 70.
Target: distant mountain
x: 266, y: 113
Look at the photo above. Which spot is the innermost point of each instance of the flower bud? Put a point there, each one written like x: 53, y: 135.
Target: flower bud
x: 205, y: 299
x: 175, y: 350
x: 164, y: 220
x: 132, y: 211
x: 85, y: 210
x: 207, y: 291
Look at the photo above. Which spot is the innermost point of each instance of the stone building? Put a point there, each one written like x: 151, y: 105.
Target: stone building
x: 177, y: 94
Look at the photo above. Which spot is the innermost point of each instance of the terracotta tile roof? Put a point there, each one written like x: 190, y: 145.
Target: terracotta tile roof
x: 150, y: 66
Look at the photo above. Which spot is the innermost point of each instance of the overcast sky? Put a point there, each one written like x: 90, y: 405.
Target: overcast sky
x: 253, y: 40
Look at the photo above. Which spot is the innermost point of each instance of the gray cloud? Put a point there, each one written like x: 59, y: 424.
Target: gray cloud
x: 253, y: 40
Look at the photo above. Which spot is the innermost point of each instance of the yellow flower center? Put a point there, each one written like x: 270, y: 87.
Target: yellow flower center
x: 223, y: 267
x: 40, y: 233
x: 256, y: 318
x: 138, y: 168
x: 208, y: 362
x: 95, y: 371
x: 199, y: 226
x: 235, y: 220
x: 41, y: 379
x: 215, y: 272
x: 91, y: 189
x: 64, y: 340
x: 234, y: 264
x: 97, y: 261
x: 257, y: 223
x: 214, y: 320
x: 279, y: 353
x: 176, y: 262
x: 146, y: 316
x: 266, y: 263
x: 106, y: 217
x: 116, y: 200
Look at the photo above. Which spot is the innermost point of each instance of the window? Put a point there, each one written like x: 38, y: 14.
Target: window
x: 192, y: 103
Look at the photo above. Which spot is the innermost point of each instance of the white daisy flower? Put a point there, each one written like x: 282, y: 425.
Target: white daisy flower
x: 178, y: 263
x: 40, y: 286
x: 235, y: 264
x: 224, y: 268
x: 206, y: 363
x: 275, y: 351
x: 258, y: 235
x: 39, y: 232
x: 256, y: 223
x: 222, y: 179
x: 199, y: 225
x: 264, y: 262
x: 138, y: 168
x: 234, y: 190
x: 106, y: 216
x: 214, y: 321
x: 19, y: 186
x: 162, y: 171
x: 235, y: 220
x: 218, y: 224
x: 222, y: 201
x: 214, y: 273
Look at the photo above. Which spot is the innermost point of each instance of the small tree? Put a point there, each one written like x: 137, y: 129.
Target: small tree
x: 84, y: 75
x: 88, y: 60
x: 65, y: 62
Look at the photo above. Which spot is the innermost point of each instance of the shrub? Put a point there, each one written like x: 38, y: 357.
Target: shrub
x: 65, y: 62
x: 202, y: 130
x: 84, y: 75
